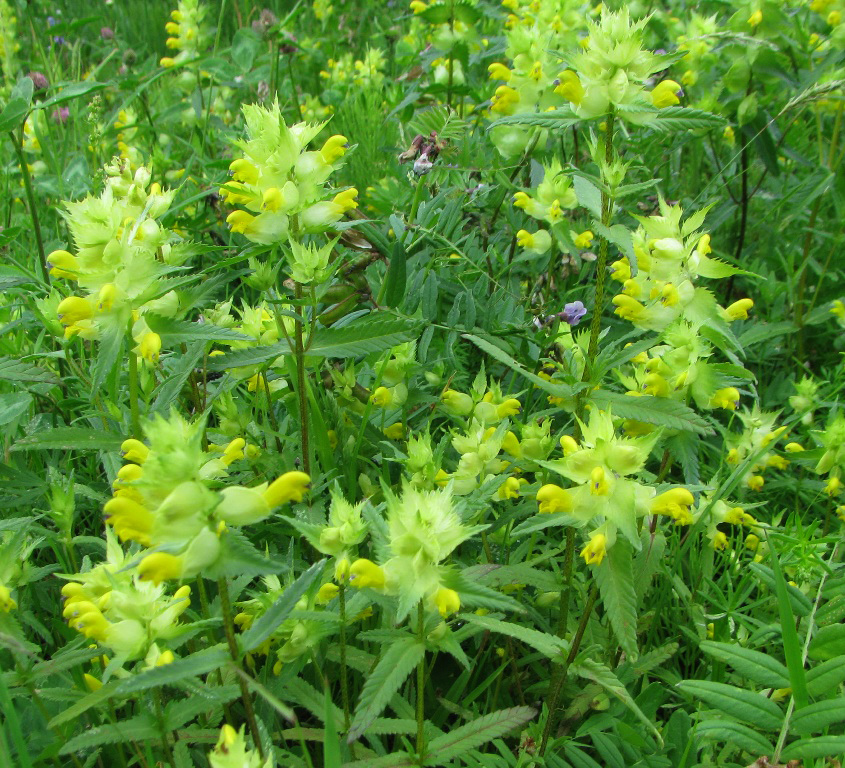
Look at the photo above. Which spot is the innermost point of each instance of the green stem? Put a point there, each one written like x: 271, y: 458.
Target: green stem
x: 568, y: 558
x: 421, y: 685
x: 17, y: 143
x: 133, y: 388
x: 229, y: 629
x: 293, y: 85
x: 562, y: 671
x: 416, y: 202
x: 300, y: 385
x: 159, y: 713
x: 344, y: 682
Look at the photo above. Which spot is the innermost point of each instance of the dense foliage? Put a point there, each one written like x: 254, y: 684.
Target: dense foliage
x: 444, y: 384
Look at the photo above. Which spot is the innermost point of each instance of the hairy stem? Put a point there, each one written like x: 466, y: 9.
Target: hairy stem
x: 300, y: 386
x: 421, y: 685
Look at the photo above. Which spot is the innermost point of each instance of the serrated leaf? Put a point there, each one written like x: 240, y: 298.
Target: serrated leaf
x: 750, y: 707
x: 137, y: 729
x: 588, y: 194
x: 460, y: 741
x: 756, y: 666
x: 540, y: 522
x: 816, y: 747
x: 176, y: 331
x: 765, y: 332
x: 652, y: 410
x: 108, y: 351
x: 178, y: 371
x: 391, y: 671
x: 199, y: 663
x: 369, y: 334
x: 549, y: 645
x: 70, y: 439
x: 814, y: 718
x: 240, y: 358
x: 270, y: 620
x: 729, y: 732
x: 556, y: 119
x: 676, y: 119
x: 478, y: 595
x: 615, y: 579
x: 20, y: 370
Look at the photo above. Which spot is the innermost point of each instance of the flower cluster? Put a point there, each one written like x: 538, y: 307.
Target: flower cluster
x: 603, y: 494
x: 188, y: 34
x: 486, y: 405
x: 347, y: 73
x: 122, y: 256
x: 120, y: 611
x: 280, y: 183
x: 163, y: 499
x: 231, y: 751
x: 759, y: 433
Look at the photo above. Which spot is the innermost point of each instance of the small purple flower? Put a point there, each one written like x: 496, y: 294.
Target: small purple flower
x: 61, y: 114
x: 107, y: 33
x: 39, y: 81
x: 573, y: 312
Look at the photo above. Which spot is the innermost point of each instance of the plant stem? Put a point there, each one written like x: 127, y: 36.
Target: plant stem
x: 133, y: 387
x: 344, y: 681
x: 300, y: 385
x: 568, y: 557
x: 17, y: 143
x: 560, y: 677
x: 229, y: 628
x: 421, y: 684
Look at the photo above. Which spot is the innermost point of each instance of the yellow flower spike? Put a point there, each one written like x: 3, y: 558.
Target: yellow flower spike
x: 552, y: 498
x: 382, y: 397
x: 63, y: 264
x: 628, y: 308
x: 727, y: 398
x: 752, y: 542
x: 569, y: 87
x: 703, y: 246
x: 595, y: 551
x: 73, y: 309
x: 735, y: 515
x: 521, y: 200
x: 833, y: 487
x: 91, y: 682
x: 243, y: 170
x: 134, y: 451
x: 107, y: 296
x: 447, y: 601
x: 394, y: 431
x: 160, y: 566
x: 584, y: 240
x: 778, y: 462
x: 508, y: 408
x: 738, y: 310
x: 719, y: 541
x: 327, y: 593
x: 176, y: 15
x: 511, y: 445
x: 555, y: 211
x: 272, y: 199
x: 173, y: 42
x: 756, y: 482
x: 165, y: 657
x: 291, y: 486
x: 346, y: 199
x: 755, y: 18
x: 334, y: 148
x: 499, y: 72
x: 793, y: 447
x: 150, y: 347
x: 510, y: 489
x: 128, y: 473
x: 569, y: 445
x: 172, y: 28
x: 239, y: 221
x: 6, y: 602
x: 621, y: 270
x: 669, y: 295
x: 234, y: 451
x: 733, y: 456
x: 167, y: 62
x: 674, y: 502
x: 665, y: 94
x: 365, y: 573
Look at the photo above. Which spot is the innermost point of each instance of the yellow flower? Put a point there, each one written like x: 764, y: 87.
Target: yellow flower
x: 595, y: 551
x: 569, y: 87
x: 833, y: 487
x: 756, y: 482
x: 395, y: 431
x: 552, y: 498
x: 291, y: 486
x: 738, y: 310
x: 6, y: 602
x: 719, y: 541
x: 159, y: 567
x: 584, y: 240
x: 382, y: 397
x: 365, y: 573
x: 665, y: 94
x: 755, y: 18
x: 727, y: 398
x: 447, y: 601
x: 327, y: 593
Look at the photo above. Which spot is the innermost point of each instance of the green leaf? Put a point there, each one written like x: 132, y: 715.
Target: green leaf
x: 556, y: 119
x: 549, y: 645
x: 676, y: 119
x: 396, y: 277
x: 818, y: 746
x: 477, y: 595
x: 85, y: 703
x: 178, y: 369
x: 393, y: 668
x: 615, y: 579
x: 826, y: 676
x: 70, y: 439
x: 240, y: 358
x: 754, y: 665
x: 557, y: 389
x: 177, y: 331
x: 620, y: 236
x: 199, y: 663
x: 588, y: 195
x: 364, y: 336
x: 828, y: 643
x: 331, y: 741
x: 814, y: 718
x: 137, y: 729
x: 798, y: 601
x: 750, y: 707
x: 13, y: 114
x: 107, y: 354
x: 278, y: 612
x: 72, y: 91
x: 19, y: 370
x: 483, y: 730
x: 541, y: 522
x: 603, y: 676
x: 734, y: 734
x: 652, y: 410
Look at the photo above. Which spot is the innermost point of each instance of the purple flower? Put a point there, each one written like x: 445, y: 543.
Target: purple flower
x: 573, y: 312
x: 39, y: 81
x: 61, y: 114
x: 107, y: 33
